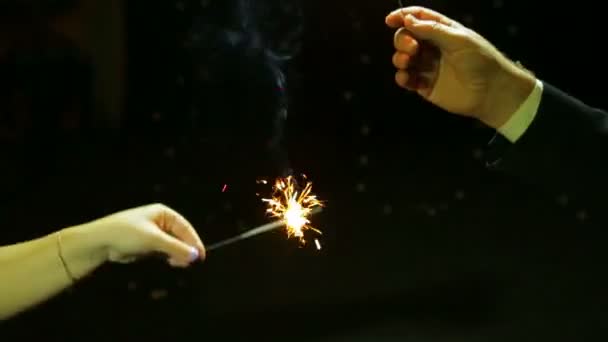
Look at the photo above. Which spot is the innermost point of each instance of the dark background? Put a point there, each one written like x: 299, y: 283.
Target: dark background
x: 421, y: 242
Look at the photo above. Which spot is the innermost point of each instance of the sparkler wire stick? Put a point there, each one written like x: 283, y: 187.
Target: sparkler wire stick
x: 246, y: 235
x: 254, y: 232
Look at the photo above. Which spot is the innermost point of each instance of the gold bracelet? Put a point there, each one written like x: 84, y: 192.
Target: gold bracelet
x: 65, y: 264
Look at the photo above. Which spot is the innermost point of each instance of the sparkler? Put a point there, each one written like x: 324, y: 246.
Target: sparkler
x: 293, y: 207
x: 253, y: 232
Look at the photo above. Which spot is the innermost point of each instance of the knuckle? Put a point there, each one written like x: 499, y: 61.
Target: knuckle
x: 396, y: 59
x: 413, y: 43
x: 400, y: 60
x: 158, y: 206
x: 399, y: 34
x: 404, y: 41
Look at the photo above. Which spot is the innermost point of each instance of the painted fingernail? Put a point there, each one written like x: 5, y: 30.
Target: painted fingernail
x: 194, y: 254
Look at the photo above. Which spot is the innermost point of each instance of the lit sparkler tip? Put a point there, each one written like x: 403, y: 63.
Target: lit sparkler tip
x: 293, y: 205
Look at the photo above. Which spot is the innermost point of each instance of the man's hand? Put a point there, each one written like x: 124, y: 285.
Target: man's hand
x: 455, y: 68
x: 133, y: 233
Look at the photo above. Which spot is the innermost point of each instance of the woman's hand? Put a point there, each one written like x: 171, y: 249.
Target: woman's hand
x: 36, y: 270
x: 155, y: 228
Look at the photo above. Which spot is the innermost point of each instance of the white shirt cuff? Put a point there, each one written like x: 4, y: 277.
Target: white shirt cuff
x: 523, y: 117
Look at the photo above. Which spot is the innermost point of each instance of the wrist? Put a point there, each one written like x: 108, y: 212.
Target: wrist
x: 84, y: 244
x: 510, y: 89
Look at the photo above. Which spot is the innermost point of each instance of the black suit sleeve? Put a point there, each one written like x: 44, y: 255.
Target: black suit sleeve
x: 565, y: 148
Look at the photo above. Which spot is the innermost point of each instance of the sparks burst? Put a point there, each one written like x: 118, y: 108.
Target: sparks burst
x: 293, y: 205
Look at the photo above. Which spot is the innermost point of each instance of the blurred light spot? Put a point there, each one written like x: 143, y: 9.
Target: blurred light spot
x: 205, y: 3
x: 227, y: 206
x: 348, y: 96
x: 132, y: 286
x: 477, y: 153
x: 582, y: 215
x: 361, y: 187
x: 459, y: 195
x: 365, y: 130
x: 366, y: 59
x: 363, y: 160
x: 181, y: 283
x: 468, y: 19
x: 513, y: 30
x: 431, y: 212
x: 158, y: 188
x: 225, y: 187
x: 180, y: 6
x: 156, y: 116
x: 357, y: 25
x: 170, y: 152
x: 387, y: 209
x: 563, y: 200
x: 204, y: 74
x: 159, y: 294
x: 498, y: 4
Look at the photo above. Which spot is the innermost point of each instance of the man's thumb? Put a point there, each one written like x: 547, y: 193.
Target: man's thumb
x: 442, y: 36
x: 179, y: 253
